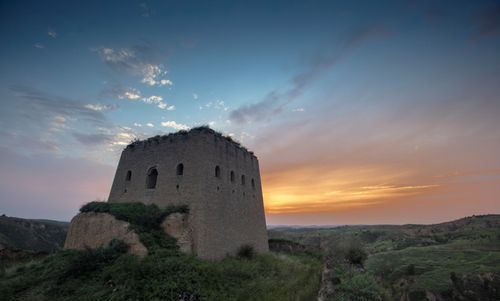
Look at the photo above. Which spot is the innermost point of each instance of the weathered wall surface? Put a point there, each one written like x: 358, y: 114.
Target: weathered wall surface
x: 94, y: 230
x: 225, y: 212
x: 177, y: 225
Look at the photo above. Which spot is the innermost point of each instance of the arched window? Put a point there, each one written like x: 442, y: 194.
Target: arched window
x: 242, y: 179
x: 253, y: 184
x: 151, y: 179
x: 180, y: 169
x: 217, y: 171
x: 232, y: 176
x: 128, y: 177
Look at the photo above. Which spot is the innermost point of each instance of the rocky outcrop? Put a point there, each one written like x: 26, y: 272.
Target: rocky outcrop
x: 94, y: 230
x: 177, y: 225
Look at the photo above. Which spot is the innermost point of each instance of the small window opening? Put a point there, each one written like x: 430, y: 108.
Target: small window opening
x: 253, y: 184
x: 128, y: 177
x: 180, y: 169
x: 217, y: 171
x: 232, y: 176
x: 151, y: 179
x: 242, y: 179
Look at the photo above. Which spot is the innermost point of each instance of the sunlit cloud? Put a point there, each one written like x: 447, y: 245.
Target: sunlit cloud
x: 100, y: 107
x: 158, y: 100
x: 131, y: 94
x: 175, y: 125
x: 149, y: 124
x: 150, y: 73
x: 166, y: 82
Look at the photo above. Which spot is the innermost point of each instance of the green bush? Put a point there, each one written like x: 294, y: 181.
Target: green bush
x: 356, y: 255
x: 410, y: 270
x: 138, y: 214
x: 246, y: 251
x: 90, y: 260
x: 163, y: 275
x: 361, y: 287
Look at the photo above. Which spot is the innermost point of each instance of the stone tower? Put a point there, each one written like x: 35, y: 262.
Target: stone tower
x: 216, y: 177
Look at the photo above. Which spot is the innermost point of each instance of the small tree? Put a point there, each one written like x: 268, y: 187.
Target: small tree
x: 356, y: 255
x: 246, y: 251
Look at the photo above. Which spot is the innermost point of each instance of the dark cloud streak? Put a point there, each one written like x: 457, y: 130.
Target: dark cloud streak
x: 39, y: 104
x: 92, y: 139
x: 274, y: 102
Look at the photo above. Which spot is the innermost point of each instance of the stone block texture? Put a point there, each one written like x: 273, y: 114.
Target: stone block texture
x: 218, y: 179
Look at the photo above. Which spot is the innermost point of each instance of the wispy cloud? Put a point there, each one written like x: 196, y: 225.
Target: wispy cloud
x: 52, y: 33
x: 145, y: 10
x: 42, y: 105
x: 39, y: 46
x: 136, y: 95
x: 217, y: 105
x: 143, y: 61
x: 100, y: 107
x: 274, y: 102
x: 48, y: 119
x: 166, y: 82
x: 318, y: 189
x: 175, y: 125
x: 130, y: 93
x: 158, y: 100
x: 92, y: 139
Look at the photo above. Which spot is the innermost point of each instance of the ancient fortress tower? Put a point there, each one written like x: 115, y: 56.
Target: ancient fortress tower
x: 217, y: 178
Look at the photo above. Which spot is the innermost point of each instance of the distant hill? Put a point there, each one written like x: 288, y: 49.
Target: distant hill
x: 456, y: 260
x: 31, y: 235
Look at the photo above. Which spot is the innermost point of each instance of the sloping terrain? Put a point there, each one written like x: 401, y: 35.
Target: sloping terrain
x: 31, y: 235
x: 457, y: 260
x: 165, y: 273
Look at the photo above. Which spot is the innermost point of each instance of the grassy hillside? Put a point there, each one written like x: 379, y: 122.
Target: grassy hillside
x: 164, y: 274
x: 457, y: 260
x: 31, y: 235
x: 22, y: 240
x: 110, y: 274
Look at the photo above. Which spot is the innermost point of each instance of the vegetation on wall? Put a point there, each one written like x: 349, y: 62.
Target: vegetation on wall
x: 202, y: 128
x: 145, y: 220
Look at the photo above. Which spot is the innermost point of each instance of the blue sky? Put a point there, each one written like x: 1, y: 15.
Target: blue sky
x: 390, y: 97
